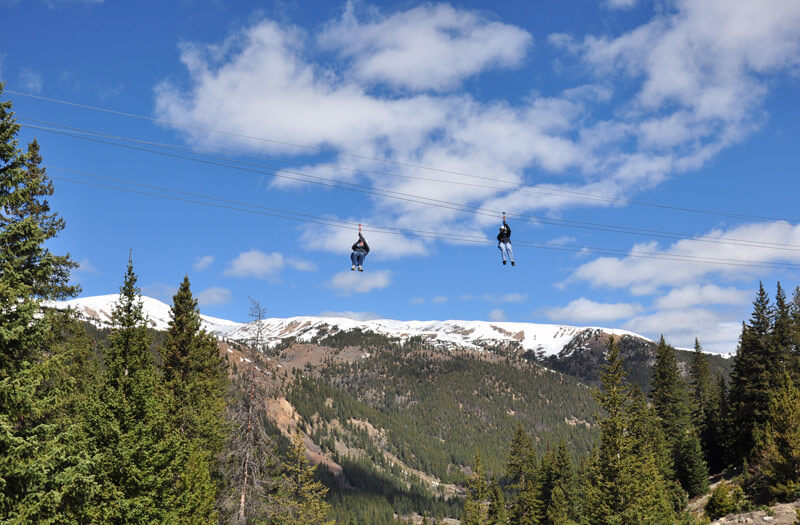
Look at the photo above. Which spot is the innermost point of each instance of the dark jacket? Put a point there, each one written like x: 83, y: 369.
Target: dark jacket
x: 505, y: 233
x: 364, y: 248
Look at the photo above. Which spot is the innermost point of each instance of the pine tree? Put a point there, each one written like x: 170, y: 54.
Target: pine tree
x: 719, y: 428
x: 668, y: 393
x: 702, y: 395
x: 195, y: 377
x: 794, y: 354
x: 44, y: 474
x: 693, y: 470
x: 521, y: 460
x: 750, y: 379
x: 624, y: 484
x: 775, y: 470
x: 497, y: 514
x: 129, y: 425
x: 475, y: 507
x: 304, y: 495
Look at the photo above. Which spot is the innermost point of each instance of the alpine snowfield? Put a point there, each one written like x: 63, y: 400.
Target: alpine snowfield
x: 543, y: 339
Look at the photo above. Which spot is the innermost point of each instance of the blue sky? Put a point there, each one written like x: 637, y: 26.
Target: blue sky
x: 645, y: 152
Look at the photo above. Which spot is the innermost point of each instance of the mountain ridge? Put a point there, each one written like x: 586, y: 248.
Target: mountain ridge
x: 543, y: 340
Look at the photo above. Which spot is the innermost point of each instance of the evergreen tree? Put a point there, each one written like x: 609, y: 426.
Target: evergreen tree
x: 718, y: 428
x: 702, y: 395
x: 557, y: 511
x: 668, y: 393
x: 794, y: 353
x: 750, y: 379
x: 475, y: 507
x: 775, y: 471
x: 624, y: 484
x: 521, y: 460
x: 497, y: 514
x: 195, y: 377
x: 693, y: 470
x: 129, y: 424
x: 527, y: 509
x: 303, y: 495
x: 44, y: 473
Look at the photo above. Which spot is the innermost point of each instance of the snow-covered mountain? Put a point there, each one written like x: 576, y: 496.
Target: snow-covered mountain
x: 544, y: 339
x: 98, y: 309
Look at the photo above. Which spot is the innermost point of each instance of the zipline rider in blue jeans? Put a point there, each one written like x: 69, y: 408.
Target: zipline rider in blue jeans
x: 504, y: 242
x: 360, y: 250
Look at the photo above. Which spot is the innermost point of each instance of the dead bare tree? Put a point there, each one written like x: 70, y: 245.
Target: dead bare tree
x: 251, y: 467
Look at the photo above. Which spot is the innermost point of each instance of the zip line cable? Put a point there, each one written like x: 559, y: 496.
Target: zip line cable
x: 298, y: 176
x: 466, y: 239
x: 318, y: 149
x: 512, y: 186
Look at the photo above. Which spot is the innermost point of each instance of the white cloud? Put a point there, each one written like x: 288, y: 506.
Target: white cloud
x: 497, y: 315
x: 262, y: 265
x: 202, y: 263
x: 30, y: 80
x: 699, y: 73
x: 586, y: 311
x: 432, y: 46
x: 358, y: 316
x: 85, y: 266
x: 440, y: 299
x: 257, y: 264
x: 301, y: 265
x: 715, y: 331
x: 348, y: 282
x: 646, y: 276
x: 159, y: 290
x: 417, y: 300
x: 695, y: 294
x: 513, y: 297
x: 214, y: 296
x: 620, y: 4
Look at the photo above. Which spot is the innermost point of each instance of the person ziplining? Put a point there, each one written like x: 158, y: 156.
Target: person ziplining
x: 504, y: 242
x: 360, y: 250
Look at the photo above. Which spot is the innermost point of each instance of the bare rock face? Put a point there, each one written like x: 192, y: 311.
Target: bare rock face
x: 782, y: 514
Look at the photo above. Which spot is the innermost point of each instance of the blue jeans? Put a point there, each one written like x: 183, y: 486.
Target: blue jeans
x: 507, y: 250
x: 357, y: 257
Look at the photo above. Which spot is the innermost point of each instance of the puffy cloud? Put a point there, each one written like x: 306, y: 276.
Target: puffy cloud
x: 214, y: 296
x: 30, y: 80
x: 348, y: 282
x: 728, y: 255
x: 440, y: 299
x: 159, y: 290
x: 716, y: 332
x: 358, y: 316
x: 586, y: 311
x: 620, y: 4
x: 202, y: 263
x: 427, y: 47
x: 497, y: 315
x: 86, y: 266
x: 255, y: 263
x: 699, y: 74
x: 695, y: 294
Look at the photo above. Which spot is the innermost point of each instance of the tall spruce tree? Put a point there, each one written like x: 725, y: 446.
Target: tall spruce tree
x: 751, y: 380
x: 497, y: 513
x: 303, y: 496
x: 624, y: 484
x: 702, y: 391
x: 476, y: 506
x: 195, y: 377
x: 130, y: 425
x: 775, y: 470
x: 794, y: 353
x: 45, y: 476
